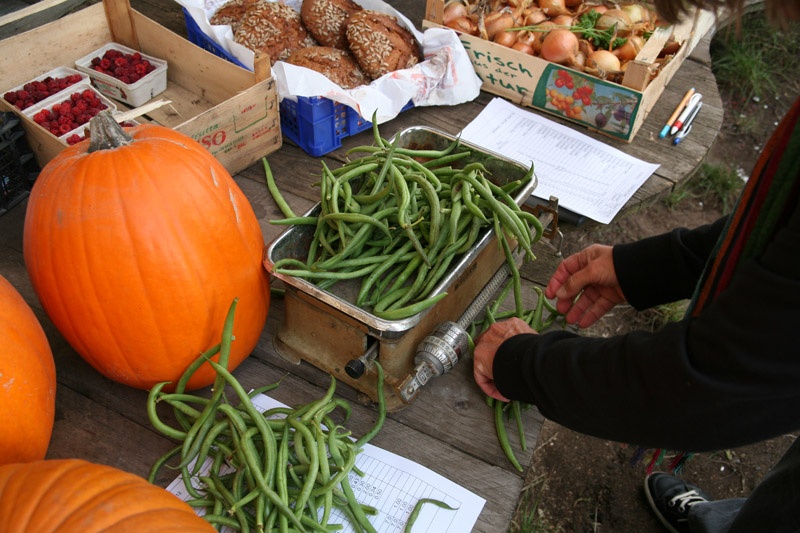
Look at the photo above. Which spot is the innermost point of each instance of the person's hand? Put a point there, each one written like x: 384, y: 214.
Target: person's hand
x: 486, y: 347
x: 586, y: 285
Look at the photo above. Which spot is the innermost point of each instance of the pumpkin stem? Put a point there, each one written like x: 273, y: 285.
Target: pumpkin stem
x: 105, y: 133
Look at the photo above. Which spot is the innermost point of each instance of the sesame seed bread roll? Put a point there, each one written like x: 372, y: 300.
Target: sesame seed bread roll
x: 327, y: 20
x: 336, y: 64
x: 380, y: 43
x: 230, y: 14
x: 273, y: 28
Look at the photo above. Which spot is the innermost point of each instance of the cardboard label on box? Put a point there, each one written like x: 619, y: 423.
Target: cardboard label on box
x: 607, y: 107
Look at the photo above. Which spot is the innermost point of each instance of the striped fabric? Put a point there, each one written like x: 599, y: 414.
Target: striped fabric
x: 768, y: 198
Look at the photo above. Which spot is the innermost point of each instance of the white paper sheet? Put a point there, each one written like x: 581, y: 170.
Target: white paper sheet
x: 393, y: 485
x: 586, y: 175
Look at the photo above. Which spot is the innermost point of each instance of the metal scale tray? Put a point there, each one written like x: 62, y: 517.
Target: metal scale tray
x: 326, y: 329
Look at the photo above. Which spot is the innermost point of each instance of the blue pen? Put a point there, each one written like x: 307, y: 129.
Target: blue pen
x: 687, y: 127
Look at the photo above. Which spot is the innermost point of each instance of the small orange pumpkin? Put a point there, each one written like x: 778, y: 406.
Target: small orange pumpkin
x: 136, y: 244
x: 27, y: 381
x: 73, y: 495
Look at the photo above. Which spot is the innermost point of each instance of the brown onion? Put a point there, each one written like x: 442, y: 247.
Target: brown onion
x: 638, y: 13
x: 562, y: 20
x: 560, y: 46
x: 497, y: 22
x: 453, y: 10
x: 505, y: 38
x: 630, y: 49
x: 614, y: 17
x: 522, y: 47
x: 603, y: 60
x: 463, y: 24
x: 553, y: 8
x: 534, y: 16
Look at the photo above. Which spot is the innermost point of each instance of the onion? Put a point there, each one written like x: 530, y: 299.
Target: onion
x: 463, y: 24
x: 498, y: 22
x: 572, y: 3
x: 553, y: 8
x: 454, y: 10
x: 614, y: 17
x: 560, y: 46
x: 629, y: 50
x: 637, y: 13
x: 562, y: 20
x: 505, y: 38
x: 522, y: 47
x: 534, y: 16
x: 604, y: 61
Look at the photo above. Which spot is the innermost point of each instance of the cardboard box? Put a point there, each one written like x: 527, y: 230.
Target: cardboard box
x: 232, y: 111
x: 534, y: 82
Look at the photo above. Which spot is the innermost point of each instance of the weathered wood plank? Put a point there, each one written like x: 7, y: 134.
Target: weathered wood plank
x: 20, y: 16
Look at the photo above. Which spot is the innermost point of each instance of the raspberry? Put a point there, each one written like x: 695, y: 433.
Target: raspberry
x: 74, y: 139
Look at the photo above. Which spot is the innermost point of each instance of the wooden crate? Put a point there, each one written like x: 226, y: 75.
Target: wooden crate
x: 232, y: 111
x: 529, y: 81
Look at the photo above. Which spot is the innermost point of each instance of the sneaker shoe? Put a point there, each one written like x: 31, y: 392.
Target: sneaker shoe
x: 671, y: 498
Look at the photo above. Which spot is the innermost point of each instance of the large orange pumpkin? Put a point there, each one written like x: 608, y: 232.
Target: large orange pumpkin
x: 136, y: 244
x: 72, y: 495
x: 27, y: 381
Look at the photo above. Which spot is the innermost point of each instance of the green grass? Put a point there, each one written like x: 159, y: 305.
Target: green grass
x: 755, y: 59
x: 711, y: 183
x: 528, y: 519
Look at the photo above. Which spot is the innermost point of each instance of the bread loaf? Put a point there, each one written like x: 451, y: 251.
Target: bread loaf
x: 230, y: 14
x: 338, y: 65
x: 327, y: 20
x: 380, y: 43
x: 273, y: 28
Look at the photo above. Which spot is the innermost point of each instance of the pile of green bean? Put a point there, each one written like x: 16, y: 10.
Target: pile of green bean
x: 285, y: 469
x: 396, y: 219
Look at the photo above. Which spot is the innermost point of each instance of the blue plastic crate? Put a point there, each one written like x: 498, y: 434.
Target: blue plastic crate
x: 198, y: 37
x: 316, y: 124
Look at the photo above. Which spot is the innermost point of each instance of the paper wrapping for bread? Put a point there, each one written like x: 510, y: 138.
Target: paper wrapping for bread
x: 445, y: 77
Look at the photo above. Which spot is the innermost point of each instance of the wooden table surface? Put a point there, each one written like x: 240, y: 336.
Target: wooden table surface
x: 448, y: 427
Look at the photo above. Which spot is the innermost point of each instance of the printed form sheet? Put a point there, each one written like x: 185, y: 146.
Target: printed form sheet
x: 393, y: 485
x: 587, y: 176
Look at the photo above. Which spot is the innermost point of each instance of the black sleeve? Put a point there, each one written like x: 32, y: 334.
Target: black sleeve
x: 665, y: 268
x: 726, y: 378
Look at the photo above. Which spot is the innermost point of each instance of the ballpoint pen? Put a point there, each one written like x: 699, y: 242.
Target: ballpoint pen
x: 681, y: 107
x: 687, y: 127
x: 693, y: 102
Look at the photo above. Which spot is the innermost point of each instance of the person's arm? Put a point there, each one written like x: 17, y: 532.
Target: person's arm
x: 726, y: 378
x: 667, y: 267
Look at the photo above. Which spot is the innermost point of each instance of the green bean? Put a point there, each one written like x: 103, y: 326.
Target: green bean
x: 502, y: 436
x: 276, y: 194
x: 516, y: 412
x: 295, y: 221
x: 413, y: 309
x: 153, y: 415
x: 381, y: 409
x: 412, y: 518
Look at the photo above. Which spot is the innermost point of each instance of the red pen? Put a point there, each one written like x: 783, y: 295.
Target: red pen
x: 693, y: 101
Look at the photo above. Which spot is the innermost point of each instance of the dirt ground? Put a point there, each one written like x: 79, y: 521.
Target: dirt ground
x: 583, y: 484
